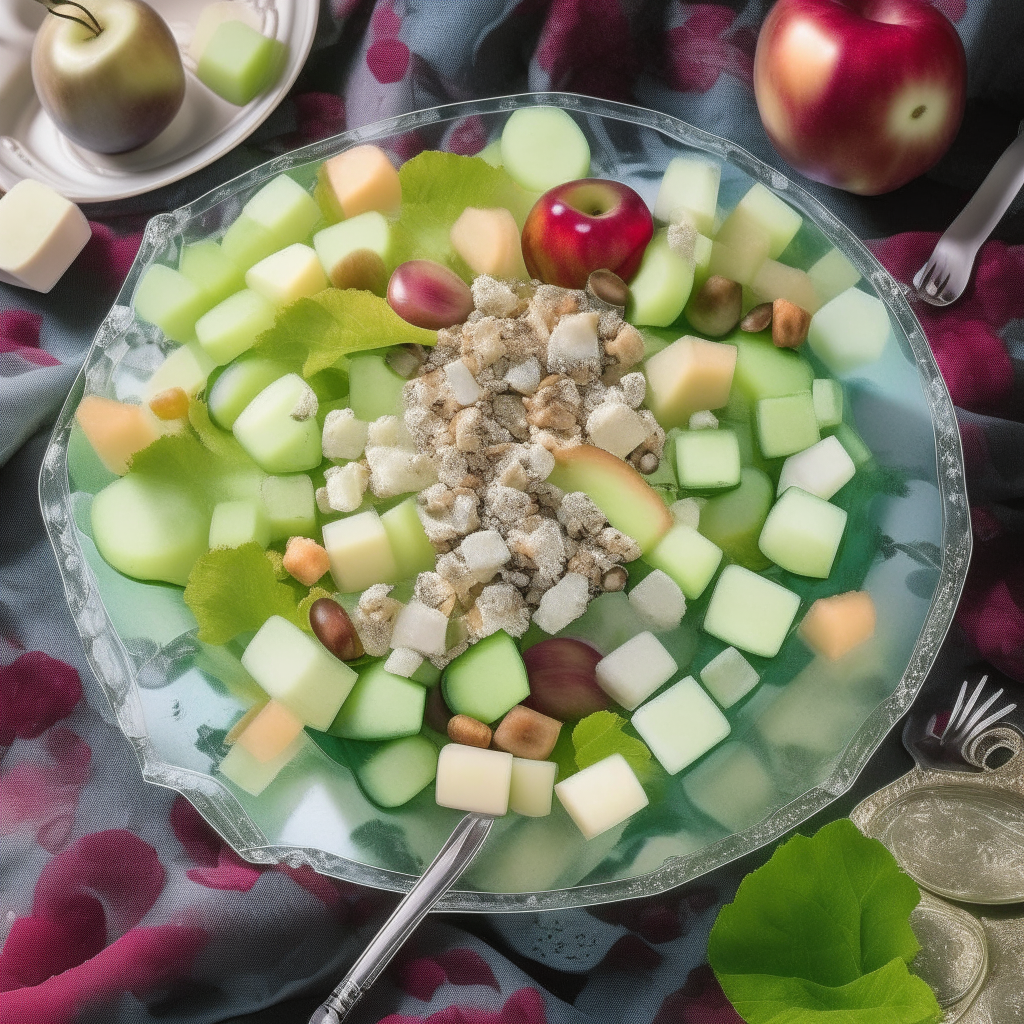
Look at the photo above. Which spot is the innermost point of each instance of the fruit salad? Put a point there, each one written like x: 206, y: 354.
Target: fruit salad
x: 511, y: 490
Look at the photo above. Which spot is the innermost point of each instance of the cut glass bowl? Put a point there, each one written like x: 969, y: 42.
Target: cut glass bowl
x: 797, y: 742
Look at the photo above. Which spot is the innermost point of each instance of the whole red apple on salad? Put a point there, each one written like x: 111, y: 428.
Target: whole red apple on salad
x: 860, y: 94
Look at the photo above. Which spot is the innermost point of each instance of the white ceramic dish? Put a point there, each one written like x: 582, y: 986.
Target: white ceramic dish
x: 205, y: 128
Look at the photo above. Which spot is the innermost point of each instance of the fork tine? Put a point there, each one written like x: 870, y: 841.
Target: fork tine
x: 923, y: 276
x: 991, y: 720
x: 969, y: 706
x: 967, y: 726
x: 951, y: 723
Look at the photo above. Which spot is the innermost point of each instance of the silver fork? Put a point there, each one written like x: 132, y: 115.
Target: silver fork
x: 944, y: 277
x: 966, y: 722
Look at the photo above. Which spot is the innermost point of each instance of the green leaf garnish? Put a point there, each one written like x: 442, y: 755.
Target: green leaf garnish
x: 600, y: 735
x: 821, y: 934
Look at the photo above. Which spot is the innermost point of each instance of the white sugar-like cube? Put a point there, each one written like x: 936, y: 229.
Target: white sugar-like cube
x: 344, y: 436
x: 574, y: 342
x: 616, y: 428
x: 524, y: 377
x: 850, y: 331
x: 658, y: 600
x: 732, y: 786
x: 729, y: 677
x: 533, y: 783
x: 403, y: 661
x: 680, y: 725
x: 298, y: 672
x: 464, y: 387
x: 686, y: 511
x: 833, y: 274
x: 601, y: 796
x: 323, y: 503
x: 420, y: 628
x: 389, y: 432
x: 41, y: 233
x: 704, y: 419
x: 632, y: 672
x: 395, y: 471
x: 346, y: 486
x: 485, y: 552
x: 565, y: 602
x: 822, y: 469
x: 473, y: 779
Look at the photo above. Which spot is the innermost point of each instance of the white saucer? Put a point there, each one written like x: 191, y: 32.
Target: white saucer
x: 205, y: 128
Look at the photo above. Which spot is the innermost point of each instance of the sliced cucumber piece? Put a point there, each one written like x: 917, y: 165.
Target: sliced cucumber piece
x: 381, y: 706
x: 487, y: 680
x: 734, y: 520
x: 707, y: 460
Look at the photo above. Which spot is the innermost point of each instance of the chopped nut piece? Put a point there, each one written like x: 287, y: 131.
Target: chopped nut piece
x: 790, y: 324
x: 468, y: 731
x: 524, y: 732
x: 758, y: 319
x: 634, y: 389
x: 306, y: 560
x: 705, y: 419
x: 614, y: 579
x: 500, y: 606
x: 406, y: 360
x: 580, y: 516
x: 494, y: 298
x: 619, y: 546
x: 627, y: 347
x: 606, y: 290
x: 510, y: 413
x: 648, y: 463
x: 306, y: 405
x: 334, y: 629
x: 716, y: 308
x: 169, y: 404
x: 563, y: 603
x: 682, y: 238
x: 574, y: 343
x: 616, y: 428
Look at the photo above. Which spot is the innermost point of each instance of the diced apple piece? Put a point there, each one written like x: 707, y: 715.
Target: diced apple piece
x: 619, y: 491
x: 361, y: 180
x: 278, y: 428
x: 827, y: 395
x: 270, y: 733
x: 473, y: 779
x: 187, y: 367
x: 659, y: 601
x: 215, y: 274
x: 489, y: 241
x: 690, y: 559
x: 602, y: 795
x: 802, y: 533
x: 632, y: 672
x: 822, y: 470
x: 355, y: 253
x: 760, y: 209
x: 375, y: 389
x: 148, y: 529
x: 381, y: 706
x: 680, y: 725
x: 750, y: 612
x: 833, y: 274
x: 232, y: 326
x: 116, y: 430
x: 764, y: 371
x: 777, y: 281
x: 532, y: 787
x: 660, y: 288
x: 833, y: 626
x: 786, y: 425
x: 238, y: 385
x: 413, y: 552
x: 235, y: 523
x: 360, y: 552
x: 690, y: 187
x: 729, y: 677
x: 290, y: 506
x: 690, y: 375
x: 170, y: 300
x: 732, y: 787
x: 542, y: 147
x: 252, y: 775
x: 286, y: 275
x: 734, y: 520
x: 238, y: 62
x: 850, y: 331
x: 298, y: 671
x: 707, y: 460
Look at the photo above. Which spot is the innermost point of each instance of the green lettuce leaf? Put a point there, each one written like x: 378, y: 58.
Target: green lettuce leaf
x: 600, y: 735
x: 821, y: 935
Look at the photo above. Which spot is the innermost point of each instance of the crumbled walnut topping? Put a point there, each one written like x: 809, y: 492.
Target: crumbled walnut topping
x: 375, y: 619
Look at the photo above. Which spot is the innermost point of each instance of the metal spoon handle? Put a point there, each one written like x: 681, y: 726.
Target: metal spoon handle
x: 444, y: 871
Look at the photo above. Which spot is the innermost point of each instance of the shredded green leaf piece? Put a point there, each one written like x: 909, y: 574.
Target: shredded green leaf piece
x: 600, y: 735
x: 822, y: 934
x: 234, y: 590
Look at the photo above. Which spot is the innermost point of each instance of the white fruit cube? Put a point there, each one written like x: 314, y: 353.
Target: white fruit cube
x: 681, y: 725
x: 395, y: 471
x: 41, y: 234
x: 658, y: 600
x: 533, y: 785
x: 690, y: 375
x: 732, y: 787
x: 278, y: 428
x: 632, y: 672
x: 235, y: 523
x: 689, y: 187
x: 821, y: 470
x: 802, y: 533
x: 464, y: 387
x: 729, y: 677
x: 574, y: 343
x: 252, y: 775
x: 484, y: 552
x: 344, y: 436
x: 186, y: 367
x: 473, y: 779
x: 420, y: 628
x: 298, y: 671
x: 565, y: 602
x: 286, y: 275
x: 833, y: 274
x: 345, y: 486
x: 686, y: 511
x: 403, y: 662
x: 849, y: 331
x: 602, y: 796
x: 761, y: 210
x: 488, y: 240
x: 360, y: 552
x: 616, y: 428
x: 232, y: 326
x: 750, y: 612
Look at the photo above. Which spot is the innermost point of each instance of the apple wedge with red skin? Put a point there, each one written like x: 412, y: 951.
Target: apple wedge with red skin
x: 860, y: 94
x: 628, y: 501
x: 563, y: 679
x: 586, y: 225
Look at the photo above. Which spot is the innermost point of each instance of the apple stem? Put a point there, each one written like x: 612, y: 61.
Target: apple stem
x: 95, y: 28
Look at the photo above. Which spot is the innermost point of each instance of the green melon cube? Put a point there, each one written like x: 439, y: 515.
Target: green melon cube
x: 211, y: 271
x: 492, y: 153
x: 761, y: 209
x: 238, y: 385
x: 232, y: 326
x: 279, y: 429
x: 732, y: 786
x: 661, y: 286
x: 356, y: 252
x: 750, y: 612
x: 702, y: 247
x: 734, y: 520
x: 235, y: 523
x: 238, y: 63
x: 170, y: 300
x: 689, y: 187
x: 381, y: 706
x: 707, y: 460
x: 290, y: 506
x: 690, y: 559
x: 487, y: 680
x: 764, y: 371
x: 827, y: 395
x: 186, y: 367
x: 802, y: 533
x: 729, y: 677
x: 833, y: 274
x: 252, y: 775
x: 375, y: 389
x: 542, y: 147
x: 413, y: 552
x: 850, y: 331
x: 786, y: 425
x: 854, y: 445
x: 392, y: 773
x: 280, y: 213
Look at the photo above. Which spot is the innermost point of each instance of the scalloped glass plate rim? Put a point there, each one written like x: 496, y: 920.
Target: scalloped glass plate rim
x: 110, y: 661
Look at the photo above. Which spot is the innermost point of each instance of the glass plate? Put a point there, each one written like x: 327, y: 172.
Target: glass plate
x: 797, y: 743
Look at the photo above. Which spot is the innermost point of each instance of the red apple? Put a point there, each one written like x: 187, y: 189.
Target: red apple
x: 861, y: 94
x: 586, y: 225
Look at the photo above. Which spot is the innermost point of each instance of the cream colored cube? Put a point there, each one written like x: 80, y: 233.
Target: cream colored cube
x: 345, y: 486
x: 489, y: 242
x: 360, y: 552
x: 690, y: 375
x: 288, y: 274
x: 777, y: 281
x: 344, y: 436
x: 187, y: 367
x: 616, y: 428
x: 41, y: 234
x: 533, y: 784
x: 473, y: 779
x: 761, y: 212
x: 362, y: 179
x: 602, y: 796
x: 116, y: 430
